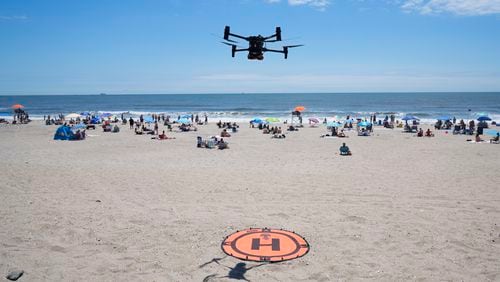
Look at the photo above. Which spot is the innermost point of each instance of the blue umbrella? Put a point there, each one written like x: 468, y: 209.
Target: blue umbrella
x: 491, y: 132
x: 184, y: 121
x: 364, y: 123
x: 444, y: 118
x: 257, y: 120
x: 410, y: 117
x: 483, y: 118
x: 186, y: 116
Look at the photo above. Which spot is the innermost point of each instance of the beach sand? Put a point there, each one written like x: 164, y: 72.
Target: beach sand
x: 121, y: 207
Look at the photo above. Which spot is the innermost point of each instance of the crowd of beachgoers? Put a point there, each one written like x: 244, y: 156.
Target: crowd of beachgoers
x: 74, y: 126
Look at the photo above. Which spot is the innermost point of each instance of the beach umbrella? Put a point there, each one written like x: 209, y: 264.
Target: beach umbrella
x: 444, y: 118
x: 184, y: 121
x: 186, y: 116
x: 95, y: 120
x: 72, y: 115
x: 314, y: 120
x: 17, y: 106
x: 349, y: 120
x: 257, y: 120
x: 364, y: 123
x: 300, y: 109
x: 483, y: 118
x: 272, y: 119
x: 410, y: 117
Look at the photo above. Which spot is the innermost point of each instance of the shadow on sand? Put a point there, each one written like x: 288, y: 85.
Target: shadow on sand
x: 237, y: 272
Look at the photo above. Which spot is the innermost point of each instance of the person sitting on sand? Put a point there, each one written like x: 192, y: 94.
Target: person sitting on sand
x: 344, y: 150
x: 78, y: 135
x: 341, y: 134
x: 420, y: 133
x: 478, y: 138
x: 224, y: 133
x: 334, y: 131
x: 429, y: 133
x: 496, y: 140
x: 163, y: 136
x: 138, y: 132
x: 222, y: 145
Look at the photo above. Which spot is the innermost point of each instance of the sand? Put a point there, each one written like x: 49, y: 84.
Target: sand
x: 120, y: 207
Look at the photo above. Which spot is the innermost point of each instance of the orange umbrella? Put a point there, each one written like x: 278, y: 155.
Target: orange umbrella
x: 300, y: 108
x: 17, y: 106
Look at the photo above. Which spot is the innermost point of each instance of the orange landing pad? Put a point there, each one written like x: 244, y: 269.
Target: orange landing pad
x: 263, y: 244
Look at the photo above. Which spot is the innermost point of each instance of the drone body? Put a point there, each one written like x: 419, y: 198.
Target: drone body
x: 256, y: 44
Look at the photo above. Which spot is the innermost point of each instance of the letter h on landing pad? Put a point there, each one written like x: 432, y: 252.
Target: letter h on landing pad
x: 275, y: 244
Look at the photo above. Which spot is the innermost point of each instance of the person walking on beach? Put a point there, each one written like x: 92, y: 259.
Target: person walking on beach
x: 131, y: 122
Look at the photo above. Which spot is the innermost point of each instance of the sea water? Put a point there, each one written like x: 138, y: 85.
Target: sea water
x: 240, y: 107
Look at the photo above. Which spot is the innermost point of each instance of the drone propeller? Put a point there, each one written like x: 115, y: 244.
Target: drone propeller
x: 230, y: 40
x: 293, y: 46
x: 229, y: 44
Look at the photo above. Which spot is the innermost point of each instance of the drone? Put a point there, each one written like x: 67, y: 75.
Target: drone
x: 256, y: 44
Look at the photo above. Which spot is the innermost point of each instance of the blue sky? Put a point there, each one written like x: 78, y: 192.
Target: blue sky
x: 168, y: 46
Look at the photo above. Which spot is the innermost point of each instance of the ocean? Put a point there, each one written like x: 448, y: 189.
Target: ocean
x: 240, y: 107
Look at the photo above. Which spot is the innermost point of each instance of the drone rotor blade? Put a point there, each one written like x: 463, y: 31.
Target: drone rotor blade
x: 294, y: 46
x: 229, y: 44
x: 230, y: 40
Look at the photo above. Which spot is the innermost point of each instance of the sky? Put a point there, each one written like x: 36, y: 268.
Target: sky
x: 173, y: 46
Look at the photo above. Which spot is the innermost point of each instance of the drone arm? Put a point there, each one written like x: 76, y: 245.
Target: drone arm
x: 284, y: 51
x: 238, y: 36
x: 270, y: 37
x: 271, y: 50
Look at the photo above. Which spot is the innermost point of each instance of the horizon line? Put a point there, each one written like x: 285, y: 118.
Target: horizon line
x: 254, y: 93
